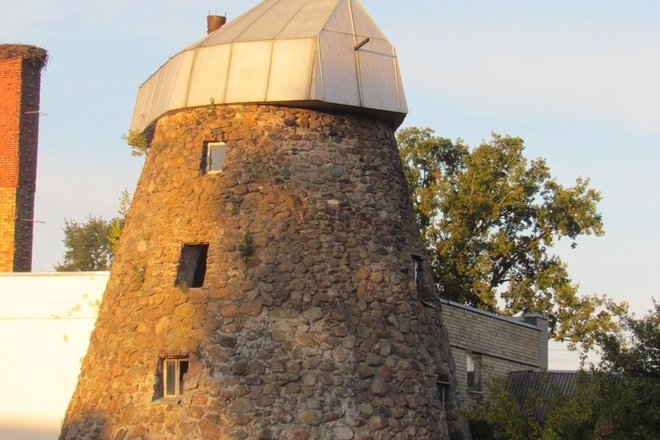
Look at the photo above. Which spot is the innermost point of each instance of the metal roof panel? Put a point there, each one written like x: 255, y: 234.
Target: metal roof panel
x: 301, y: 51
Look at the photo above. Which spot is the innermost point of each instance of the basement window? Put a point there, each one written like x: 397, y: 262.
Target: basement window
x: 170, y: 377
x: 213, y: 157
x: 192, y: 265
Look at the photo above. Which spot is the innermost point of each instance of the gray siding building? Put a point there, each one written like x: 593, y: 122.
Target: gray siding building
x: 486, y: 345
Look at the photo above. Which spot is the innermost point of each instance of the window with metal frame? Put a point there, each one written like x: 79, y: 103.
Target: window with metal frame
x: 213, y: 157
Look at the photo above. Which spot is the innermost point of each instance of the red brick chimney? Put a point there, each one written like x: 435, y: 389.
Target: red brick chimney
x: 214, y: 22
x: 20, y: 78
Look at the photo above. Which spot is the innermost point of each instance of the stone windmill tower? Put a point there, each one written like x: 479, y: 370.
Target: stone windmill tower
x: 269, y: 282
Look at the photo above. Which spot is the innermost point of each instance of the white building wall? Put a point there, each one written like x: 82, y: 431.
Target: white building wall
x: 45, y: 325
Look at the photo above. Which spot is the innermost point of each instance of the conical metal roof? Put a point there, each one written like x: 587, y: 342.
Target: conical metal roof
x: 295, y: 52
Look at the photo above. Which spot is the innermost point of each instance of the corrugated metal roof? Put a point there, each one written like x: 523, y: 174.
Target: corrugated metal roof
x: 282, y: 51
x: 535, y: 387
x: 543, y: 383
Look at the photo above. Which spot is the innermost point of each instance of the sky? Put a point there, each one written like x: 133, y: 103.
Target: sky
x: 578, y: 81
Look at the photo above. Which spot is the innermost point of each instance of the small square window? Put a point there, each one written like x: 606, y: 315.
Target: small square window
x: 192, y: 265
x: 170, y: 377
x: 473, y: 372
x: 213, y: 157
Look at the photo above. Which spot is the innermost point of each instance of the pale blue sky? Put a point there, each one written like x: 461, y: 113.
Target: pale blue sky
x: 579, y: 81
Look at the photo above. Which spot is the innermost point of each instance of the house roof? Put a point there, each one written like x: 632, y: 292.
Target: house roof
x: 290, y: 19
x: 543, y: 385
x: 295, y: 52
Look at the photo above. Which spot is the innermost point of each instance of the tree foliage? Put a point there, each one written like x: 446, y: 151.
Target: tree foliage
x: 619, y: 399
x: 490, y: 217
x: 90, y: 245
x: 635, y: 351
x: 500, y: 417
x: 87, y: 247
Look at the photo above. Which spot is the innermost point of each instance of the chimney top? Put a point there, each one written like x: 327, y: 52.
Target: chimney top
x: 214, y: 22
x: 36, y: 56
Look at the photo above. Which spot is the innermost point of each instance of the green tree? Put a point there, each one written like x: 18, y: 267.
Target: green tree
x: 635, y: 351
x: 90, y: 245
x: 500, y: 417
x: 490, y: 217
x: 618, y: 399
x: 87, y: 245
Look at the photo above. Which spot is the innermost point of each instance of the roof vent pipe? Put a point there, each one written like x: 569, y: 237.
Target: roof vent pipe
x: 214, y: 22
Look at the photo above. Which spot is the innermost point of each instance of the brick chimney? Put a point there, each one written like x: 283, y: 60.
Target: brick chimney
x: 20, y: 78
x: 214, y: 22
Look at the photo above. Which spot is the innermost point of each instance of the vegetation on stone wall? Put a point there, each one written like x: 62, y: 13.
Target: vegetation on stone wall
x: 137, y: 141
x: 117, y: 223
x: 617, y: 399
x: 246, y: 246
x: 490, y: 217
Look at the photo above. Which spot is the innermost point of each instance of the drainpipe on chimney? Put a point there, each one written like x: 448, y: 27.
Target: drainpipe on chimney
x: 214, y: 22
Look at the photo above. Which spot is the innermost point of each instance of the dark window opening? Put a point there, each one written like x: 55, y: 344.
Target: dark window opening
x: 192, y: 265
x: 213, y: 157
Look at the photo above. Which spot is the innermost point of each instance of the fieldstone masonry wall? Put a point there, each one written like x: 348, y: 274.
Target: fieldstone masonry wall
x: 320, y: 334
